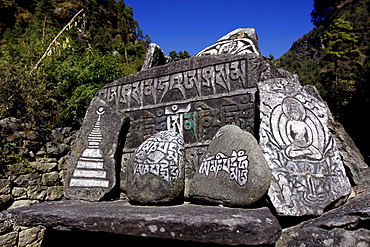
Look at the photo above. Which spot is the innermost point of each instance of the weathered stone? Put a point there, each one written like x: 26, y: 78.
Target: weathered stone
x: 194, y: 97
x: 56, y: 149
x: 22, y: 203
x: 239, y: 41
x: 206, y: 224
x: 92, y: 168
x: 50, y: 179
x: 156, y: 173
x: 30, y: 236
x: 348, y: 225
x: 233, y: 172
x: 10, y: 123
x: 308, y: 172
x: 27, y: 180
x: 19, y: 192
x: 5, y: 186
x: 155, y: 57
x: 36, y: 192
x: 43, y: 167
x: 9, y: 239
x: 54, y: 193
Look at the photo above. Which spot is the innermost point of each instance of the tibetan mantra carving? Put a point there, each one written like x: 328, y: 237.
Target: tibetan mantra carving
x: 160, y: 155
x: 192, y: 97
x: 236, y: 166
x: 308, y: 173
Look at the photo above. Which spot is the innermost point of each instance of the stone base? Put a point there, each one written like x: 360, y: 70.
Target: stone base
x: 204, y: 224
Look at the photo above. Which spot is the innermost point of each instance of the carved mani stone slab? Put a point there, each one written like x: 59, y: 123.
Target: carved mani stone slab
x: 308, y: 172
x: 156, y: 173
x: 193, y: 97
x: 233, y: 171
x: 92, y: 166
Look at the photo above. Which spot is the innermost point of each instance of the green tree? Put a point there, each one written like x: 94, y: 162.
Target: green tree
x: 179, y: 55
x: 340, y: 66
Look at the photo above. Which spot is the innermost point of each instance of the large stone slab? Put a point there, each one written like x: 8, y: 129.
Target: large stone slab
x: 308, y: 172
x: 233, y: 171
x: 194, y: 97
x: 92, y: 171
x: 348, y: 225
x: 156, y: 174
x: 206, y: 224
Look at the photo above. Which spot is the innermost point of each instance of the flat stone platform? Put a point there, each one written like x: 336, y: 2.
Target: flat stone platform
x: 204, y: 224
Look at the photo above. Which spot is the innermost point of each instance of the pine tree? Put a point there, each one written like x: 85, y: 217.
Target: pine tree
x: 340, y: 65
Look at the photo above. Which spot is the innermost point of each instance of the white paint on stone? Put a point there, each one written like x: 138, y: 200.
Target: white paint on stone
x: 89, y: 173
x: 86, y: 182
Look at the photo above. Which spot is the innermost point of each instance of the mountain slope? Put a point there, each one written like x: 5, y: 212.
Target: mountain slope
x: 347, y: 90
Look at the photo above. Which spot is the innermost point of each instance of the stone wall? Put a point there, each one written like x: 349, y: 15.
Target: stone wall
x: 32, y: 170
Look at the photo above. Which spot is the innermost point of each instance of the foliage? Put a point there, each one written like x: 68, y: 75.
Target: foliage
x: 340, y: 65
x: 83, y: 59
x: 179, y: 55
x: 322, y: 10
x: 334, y: 57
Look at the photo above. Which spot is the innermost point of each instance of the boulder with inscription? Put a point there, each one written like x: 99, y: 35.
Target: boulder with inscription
x: 156, y: 173
x: 233, y: 171
x: 308, y: 173
x: 92, y: 171
x: 239, y: 41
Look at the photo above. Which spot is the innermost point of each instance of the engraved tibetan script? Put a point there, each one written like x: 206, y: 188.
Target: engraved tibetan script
x: 236, y: 166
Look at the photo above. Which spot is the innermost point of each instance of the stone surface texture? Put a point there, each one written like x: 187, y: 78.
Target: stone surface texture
x: 233, y: 170
x: 207, y: 224
x: 155, y: 57
x: 308, y: 173
x: 156, y: 174
x: 239, y: 41
x: 93, y: 161
x: 348, y: 225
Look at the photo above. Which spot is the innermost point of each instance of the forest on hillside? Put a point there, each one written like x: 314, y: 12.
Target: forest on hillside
x: 55, y: 55
x: 335, y: 58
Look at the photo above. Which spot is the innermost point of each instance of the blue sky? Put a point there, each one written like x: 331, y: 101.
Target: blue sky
x: 195, y: 24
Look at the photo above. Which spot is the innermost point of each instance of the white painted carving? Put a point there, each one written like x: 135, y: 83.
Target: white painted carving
x: 89, y: 171
x: 160, y: 155
x: 235, y: 165
x: 307, y: 170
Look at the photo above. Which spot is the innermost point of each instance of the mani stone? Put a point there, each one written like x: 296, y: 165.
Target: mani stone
x: 308, y: 173
x: 91, y: 173
x: 233, y: 172
x: 156, y: 174
x: 239, y: 41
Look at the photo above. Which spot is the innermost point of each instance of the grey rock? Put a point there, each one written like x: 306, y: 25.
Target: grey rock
x: 156, y: 173
x: 19, y: 192
x: 54, y: 193
x: 9, y: 239
x: 27, y: 180
x: 56, y: 149
x: 347, y: 225
x: 36, y: 192
x: 22, y: 203
x: 5, y: 186
x: 233, y: 172
x: 239, y: 41
x: 205, y: 224
x: 43, y: 167
x: 308, y: 173
x: 10, y: 123
x: 30, y: 236
x: 155, y: 57
x: 92, y: 165
x: 50, y: 178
